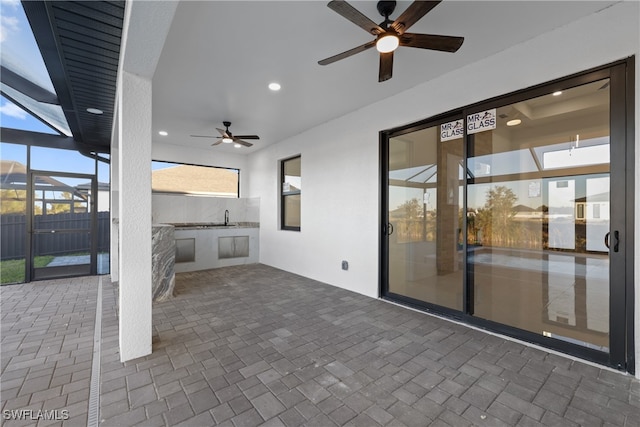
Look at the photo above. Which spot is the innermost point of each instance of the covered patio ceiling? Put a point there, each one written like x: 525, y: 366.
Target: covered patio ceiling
x: 219, y: 57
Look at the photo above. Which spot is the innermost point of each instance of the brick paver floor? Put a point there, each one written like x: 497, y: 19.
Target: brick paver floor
x: 252, y: 345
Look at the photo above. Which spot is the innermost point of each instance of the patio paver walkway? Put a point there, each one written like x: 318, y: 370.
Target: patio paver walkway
x: 253, y: 345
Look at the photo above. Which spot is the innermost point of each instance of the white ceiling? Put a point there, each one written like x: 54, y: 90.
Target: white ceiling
x: 219, y: 57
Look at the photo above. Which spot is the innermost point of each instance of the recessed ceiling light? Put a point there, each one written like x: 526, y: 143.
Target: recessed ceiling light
x: 163, y: 133
x: 237, y: 145
x: 274, y: 86
x: 557, y: 93
x: 514, y: 122
x: 94, y: 111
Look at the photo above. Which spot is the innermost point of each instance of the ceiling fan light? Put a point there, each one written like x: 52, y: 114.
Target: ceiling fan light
x: 227, y: 140
x: 387, y: 43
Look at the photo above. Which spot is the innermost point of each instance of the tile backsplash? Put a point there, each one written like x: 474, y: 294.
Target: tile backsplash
x: 169, y: 208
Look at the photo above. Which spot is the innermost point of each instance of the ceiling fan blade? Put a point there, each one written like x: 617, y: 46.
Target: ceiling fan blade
x: 347, y: 53
x: 247, y: 136
x: 354, y: 15
x: 412, y: 14
x: 241, y: 142
x: 217, y: 143
x: 432, y: 42
x: 203, y: 136
x: 222, y: 132
x: 386, y: 66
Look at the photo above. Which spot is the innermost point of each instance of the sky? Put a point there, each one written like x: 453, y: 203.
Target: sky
x: 18, y: 49
x: 18, y: 44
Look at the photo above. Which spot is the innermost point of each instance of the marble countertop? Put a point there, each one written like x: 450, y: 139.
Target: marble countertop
x: 218, y: 225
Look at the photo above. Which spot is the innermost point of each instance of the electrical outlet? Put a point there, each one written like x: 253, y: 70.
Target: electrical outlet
x: 345, y: 265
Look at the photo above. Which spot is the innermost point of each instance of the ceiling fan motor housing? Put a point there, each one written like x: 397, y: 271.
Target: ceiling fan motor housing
x: 386, y: 8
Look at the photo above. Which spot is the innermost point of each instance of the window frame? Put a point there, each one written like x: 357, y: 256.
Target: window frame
x: 284, y: 195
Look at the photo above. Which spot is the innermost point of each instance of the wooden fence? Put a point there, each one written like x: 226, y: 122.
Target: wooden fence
x: 13, y: 231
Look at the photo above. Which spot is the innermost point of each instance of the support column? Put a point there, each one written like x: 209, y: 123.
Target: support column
x: 134, y: 179
x: 114, y: 187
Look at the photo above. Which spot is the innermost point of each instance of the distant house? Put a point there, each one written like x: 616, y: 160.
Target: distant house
x: 523, y: 212
x: 595, y: 207
x: 102, y: 201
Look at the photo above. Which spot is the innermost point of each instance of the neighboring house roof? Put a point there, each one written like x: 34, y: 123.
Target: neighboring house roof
x: 102, y: 186
x: 195, y: 179
x: 12, y: 173
x: 600, y: 197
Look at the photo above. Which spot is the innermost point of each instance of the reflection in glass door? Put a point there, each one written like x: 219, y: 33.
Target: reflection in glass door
x: 424, y: 208
x: 62, y: 225
x: 519, y: 223
x: 539, y: 206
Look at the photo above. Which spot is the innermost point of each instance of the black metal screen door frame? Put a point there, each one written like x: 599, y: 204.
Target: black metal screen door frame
x: 50, y: 272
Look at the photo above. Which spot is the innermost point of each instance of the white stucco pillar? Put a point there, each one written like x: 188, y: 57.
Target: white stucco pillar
x: 114, y: 200
x: 134, y: 179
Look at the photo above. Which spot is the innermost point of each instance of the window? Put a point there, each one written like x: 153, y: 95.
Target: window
x: 291, y: 186
x: 177, y: 178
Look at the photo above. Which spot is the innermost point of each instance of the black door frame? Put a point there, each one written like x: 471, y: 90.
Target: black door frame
x: 621, y: 298
x: 63, y: 271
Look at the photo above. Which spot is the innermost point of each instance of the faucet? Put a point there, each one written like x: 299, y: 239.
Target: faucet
x: 226, y: 217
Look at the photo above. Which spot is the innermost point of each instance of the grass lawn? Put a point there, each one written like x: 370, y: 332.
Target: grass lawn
x: 12, y: 271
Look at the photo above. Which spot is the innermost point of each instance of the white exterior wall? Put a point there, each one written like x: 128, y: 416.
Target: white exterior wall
x: 340, y: 177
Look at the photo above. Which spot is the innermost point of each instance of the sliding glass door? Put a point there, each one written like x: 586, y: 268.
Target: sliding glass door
x: 425, y: 204
x: 512, y: 215
x: 539, y: 203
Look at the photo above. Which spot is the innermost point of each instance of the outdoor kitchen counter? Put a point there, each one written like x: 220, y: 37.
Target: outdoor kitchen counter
x: 205, y: 245
x: 163, y: 255
x: 218, y: 225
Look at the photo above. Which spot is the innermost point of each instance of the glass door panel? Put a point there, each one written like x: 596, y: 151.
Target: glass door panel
x: 424, y: 210
x: 62, y: 225
x: 539, y: 201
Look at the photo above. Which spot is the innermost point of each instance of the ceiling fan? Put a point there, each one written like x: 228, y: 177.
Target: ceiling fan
x: 227, y: 137
x: 391, y: 34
